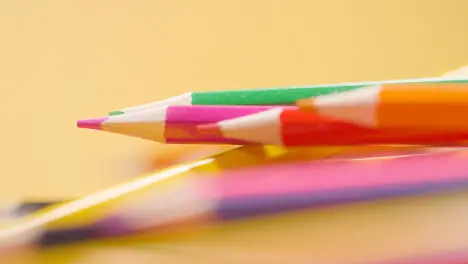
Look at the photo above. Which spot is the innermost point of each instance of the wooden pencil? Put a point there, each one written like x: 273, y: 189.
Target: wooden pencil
x: 26, y: 207
x: 11, y: 211
x: 424, y: 106
x: 290, y: 187
x: 453, y: 257
x: 275, y: 96
x: 172, y: 124
x: 262, y: 191
x: 459, y: 72
x: 293, y: 127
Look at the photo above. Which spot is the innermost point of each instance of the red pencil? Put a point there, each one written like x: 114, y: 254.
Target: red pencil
x: 290, y: 127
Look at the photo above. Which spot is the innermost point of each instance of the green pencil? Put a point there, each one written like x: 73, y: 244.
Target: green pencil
x: 273, y: 96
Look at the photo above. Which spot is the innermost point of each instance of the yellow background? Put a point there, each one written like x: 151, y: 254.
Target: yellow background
x: 64, y: 60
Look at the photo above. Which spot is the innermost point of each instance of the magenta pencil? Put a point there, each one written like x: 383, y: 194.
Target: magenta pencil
x: 342, y: 175
x: 296, y: 186
x: 172, y: 124
x: 274, y: 189
x: 459, y: 257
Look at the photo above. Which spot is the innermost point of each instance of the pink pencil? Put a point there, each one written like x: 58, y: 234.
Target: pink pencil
x: 276, y: 189
x: 296, y: 186
x: 342, y: 175
x: 172, y: 124
x: 443, y: 258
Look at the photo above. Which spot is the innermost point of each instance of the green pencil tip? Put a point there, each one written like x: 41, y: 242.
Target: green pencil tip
x: 114, y: 113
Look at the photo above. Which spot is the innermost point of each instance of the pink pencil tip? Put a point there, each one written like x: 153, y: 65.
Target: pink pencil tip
x: 93, y: 123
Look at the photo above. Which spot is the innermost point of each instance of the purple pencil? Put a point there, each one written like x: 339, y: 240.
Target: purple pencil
x: 254, y: 192
x: 459, y: 257
x: 278, y: 189
x: 172, y: 124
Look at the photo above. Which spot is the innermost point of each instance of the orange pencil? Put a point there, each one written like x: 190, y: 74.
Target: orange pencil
x: 423, y: 106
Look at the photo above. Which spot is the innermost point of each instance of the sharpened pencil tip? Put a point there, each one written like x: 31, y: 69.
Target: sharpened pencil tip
x: 114, y: 113
x: 305, y: 104
x: 93, y: 123
x: 210, y: 130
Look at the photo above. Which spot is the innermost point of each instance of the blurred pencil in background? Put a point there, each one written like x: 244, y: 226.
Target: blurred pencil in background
x: 148, y: 161
x: 302, y: 231
x: 9, y: 211
x: 269, y: 190
x: 170, y: 155
x: 450, y: 257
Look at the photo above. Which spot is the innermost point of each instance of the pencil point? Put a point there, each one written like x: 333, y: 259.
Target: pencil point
x: 210, y: 130
x: 305, y: 104
x: 93, y: 123
x: 114, y: 113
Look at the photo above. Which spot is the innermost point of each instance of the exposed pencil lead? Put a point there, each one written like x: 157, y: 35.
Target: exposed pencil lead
x: 305, y: 103
x: 210, y: 130
x: 93, y: 123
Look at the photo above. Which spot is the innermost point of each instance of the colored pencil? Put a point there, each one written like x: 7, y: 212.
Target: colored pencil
x: 459, y: 72
x: 281, y: 188
x: 172, y: 124
x: 425, y: 106
x: 292, y: 127
x: 458, y: 257
x: 275, y: 96
x: 22, y: 208
x: 262, y: 191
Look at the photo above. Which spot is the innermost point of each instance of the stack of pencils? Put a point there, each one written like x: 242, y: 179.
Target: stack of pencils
x: 326, y: 140
x: 400, y: 112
